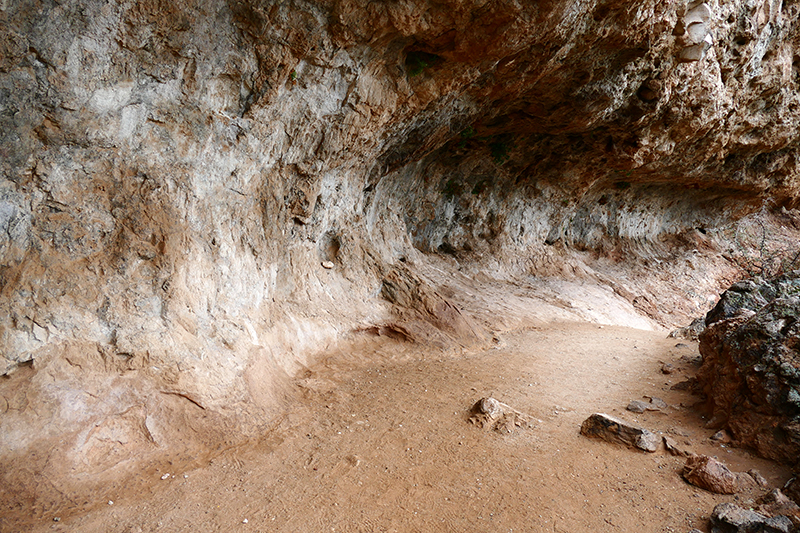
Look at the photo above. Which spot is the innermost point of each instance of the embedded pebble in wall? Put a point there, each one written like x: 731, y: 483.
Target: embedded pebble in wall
x: 694, y: 31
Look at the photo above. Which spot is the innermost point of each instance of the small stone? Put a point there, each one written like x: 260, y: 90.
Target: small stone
x: 667, y: 368
x: 674, y: 448
x: 110, y: 502
x: 165, y: 476
x: 776, y: 503
x: 683, y: 385
x: 759, y: 479
x: 327, y: 264
x: 745, y: 481
x: 56, y: 519
x: 489, y: 413
x: 721, y: 436
x: 708, y: 473
x: 637, y: 406
x: 490, y: 407
x: 612, y: 429
x: 658, y: 403
x: 244, y: 521
x: 730, y: 518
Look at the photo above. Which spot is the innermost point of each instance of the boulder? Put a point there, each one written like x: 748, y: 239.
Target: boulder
x: 751, y: 366
x: 612, y: 429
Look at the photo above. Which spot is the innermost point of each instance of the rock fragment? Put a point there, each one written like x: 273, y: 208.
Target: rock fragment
x: 745, y: 481
x: 708, y: 473
x: 776, y: 503
x: 760, y: 480
x: 721, y: 436
x: 327, y: 265
x: 730, y: 518
x: 612, y: 429
x: 492, y: 414
x: 674, y: 448
x: 637, y: 406
x: 658, y: 403
x: 692, y: 331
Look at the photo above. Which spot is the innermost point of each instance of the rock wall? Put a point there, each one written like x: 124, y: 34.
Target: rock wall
x: 173, y: 176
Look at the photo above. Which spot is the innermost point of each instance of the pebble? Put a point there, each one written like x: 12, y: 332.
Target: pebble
x: 165, y: 476
x: 637, y: 406
x: 327, y: 264
x: 110, y: 502
x: 244, y: 521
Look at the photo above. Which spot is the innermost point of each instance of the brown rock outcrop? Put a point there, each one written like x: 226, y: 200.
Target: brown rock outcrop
x: 751, y: 366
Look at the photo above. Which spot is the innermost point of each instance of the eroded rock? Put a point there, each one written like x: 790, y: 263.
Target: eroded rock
x: 751, y: 366
x: 776, y: 503
x: 708, y: 473
x: 730, y: 518
x: 674, y: 448
x: 492, y: 414
x: 618, y: 431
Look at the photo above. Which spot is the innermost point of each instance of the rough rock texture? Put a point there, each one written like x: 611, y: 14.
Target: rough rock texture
x: 611, y: 429
x: 751, y: 365
x: 491, y: 414
x: 776, y: 503
x: 708, y: 473
x: 197, y: 198
x: 730, y: 518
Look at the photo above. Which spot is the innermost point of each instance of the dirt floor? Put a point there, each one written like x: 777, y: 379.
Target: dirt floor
x: 380, y: 441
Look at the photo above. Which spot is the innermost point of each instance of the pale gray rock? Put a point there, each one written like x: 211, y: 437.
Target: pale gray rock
x: 637, y: 406
x: 730, y: 518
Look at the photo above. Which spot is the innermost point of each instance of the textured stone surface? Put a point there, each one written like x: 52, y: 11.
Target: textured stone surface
x: 708, y: 473
x: 176, y: 180
x: 751, y: 366
x: 776, y: 503
x: 730, y: 518
x: 611, y: 429
x: 492, y: 414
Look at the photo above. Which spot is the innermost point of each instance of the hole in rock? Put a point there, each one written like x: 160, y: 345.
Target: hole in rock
x: 329, y: 247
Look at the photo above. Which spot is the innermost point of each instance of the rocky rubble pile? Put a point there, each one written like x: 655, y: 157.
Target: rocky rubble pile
x: 751, y: 365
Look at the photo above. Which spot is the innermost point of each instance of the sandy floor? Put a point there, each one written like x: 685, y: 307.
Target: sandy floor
x: 380, y: 441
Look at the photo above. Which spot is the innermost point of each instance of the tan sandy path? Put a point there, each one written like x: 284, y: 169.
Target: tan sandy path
x: 379, y: 441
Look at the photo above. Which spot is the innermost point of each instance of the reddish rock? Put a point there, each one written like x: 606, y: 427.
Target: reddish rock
x: 708, y: 473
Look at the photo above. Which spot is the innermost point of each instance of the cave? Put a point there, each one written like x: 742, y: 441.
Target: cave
x: 213, y: 212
